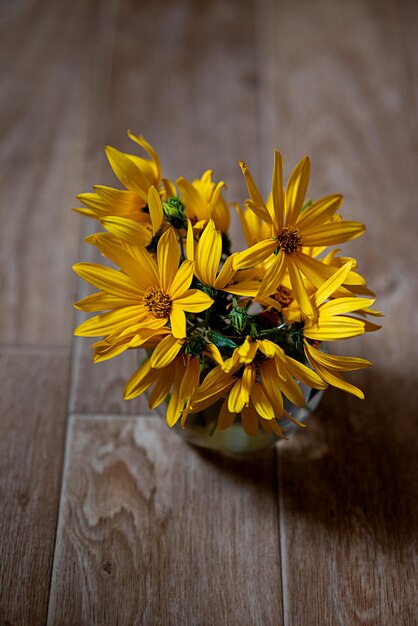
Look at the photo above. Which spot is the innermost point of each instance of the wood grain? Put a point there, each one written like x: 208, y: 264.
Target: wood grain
x: 347, y: 485
x: 153, y: 531
x: 50, y: 115
x: 191, y: 93
x: 32, y: 426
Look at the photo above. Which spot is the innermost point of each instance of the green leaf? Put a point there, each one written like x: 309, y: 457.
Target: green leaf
x: 221, y: 342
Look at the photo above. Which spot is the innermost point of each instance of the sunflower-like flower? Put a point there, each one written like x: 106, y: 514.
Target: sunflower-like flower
x: 255, y: 377
x: 203, y: 201
x: 137, y: 175
x: 145, y: 295
x: 293, y: 228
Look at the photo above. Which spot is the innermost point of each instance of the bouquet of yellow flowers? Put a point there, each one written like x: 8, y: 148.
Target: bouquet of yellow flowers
x: 240, y: 330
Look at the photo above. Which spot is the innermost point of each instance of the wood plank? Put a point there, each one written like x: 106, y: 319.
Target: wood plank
x: 152, y: 531
x: 51, y: 120
x: 347, y: 483
x: 193, y: 90
x: 33, y: 413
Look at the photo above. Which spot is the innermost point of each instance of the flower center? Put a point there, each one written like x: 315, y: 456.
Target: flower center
x: 157, y: 302
x: 283, y: 295
x: 289, y: 239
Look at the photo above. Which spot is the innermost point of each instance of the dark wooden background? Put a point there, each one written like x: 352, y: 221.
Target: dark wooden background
x: 107, y: 517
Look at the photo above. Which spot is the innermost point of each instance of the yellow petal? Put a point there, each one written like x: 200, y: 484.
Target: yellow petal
x: 127, y: 172
x: 256, y: 254
x: 344, y: 305
x: 101, y: 301
x: 296, y: 190
x: 299, y: 288
x: 215, y: 385
x: 277, y: 191
x: 208, y: 254
x: 336, y: 380
x: 257, y: 204
x: 190, y: 380
x: 193, y: 201
x: 108, y: 280
x: 317, y: 272
x: 340, y: 328
x: 344, y: 363
x: 190, y: 241
x: 236, y: 399
x: 182, y: 280
x: 304, y: 374
x: 274, y: 275
x: 160, y: 390
x: 168, y: 256
x: 247, y: 350
x: 271, y: 387
x: 166, y: 351
x: 226, y: 418
x: 144, y: 273
x: 155, y: 210
x: 214, y: 353
x: 261, y: 403
x: 332, y: 233
x: 332, y: 284
x: 250, y: 420
x: 148, y: 148
x: 175, y: 406
x: 319, y: 212
x: 127, y: 229
x: 194, y: 301
x: 226, y: 274
x: 109, y: 322
x: 139, y: 381
x: 178, y: 322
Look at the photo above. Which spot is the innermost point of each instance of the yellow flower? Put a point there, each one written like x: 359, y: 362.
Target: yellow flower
x: 203, y: 201
x: 292, y: 229
x: 138, y: 175
x: 181, y: 377
x: 207, y: 256
x: 255, y: 376
x: 146, y: 294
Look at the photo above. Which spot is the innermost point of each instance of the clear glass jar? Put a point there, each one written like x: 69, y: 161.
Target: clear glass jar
x: 201, y: 429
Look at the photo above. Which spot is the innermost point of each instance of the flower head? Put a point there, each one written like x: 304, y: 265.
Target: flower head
x: 292, y: 229
x: 145, y: 294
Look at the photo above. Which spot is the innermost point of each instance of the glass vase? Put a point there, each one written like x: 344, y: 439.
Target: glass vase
x: 201, y: 429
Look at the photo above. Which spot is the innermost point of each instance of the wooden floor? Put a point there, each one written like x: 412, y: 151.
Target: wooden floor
x: 107, y: 518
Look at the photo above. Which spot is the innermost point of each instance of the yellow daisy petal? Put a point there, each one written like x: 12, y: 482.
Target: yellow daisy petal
x: 166, y: 351
x: 332, y: 233
x: 155, y: 210
x: 178, y: 322
x: 182, y: 280
x: 140, y: 381
x: 299, y: 288
x: 261, y: 403
x: 250, y: 420
x: 296, y: 190
x: 277, y: 191
x: 194, y: 301
x: 304, y: 374
x: 108, y: 280
x: 226, y: 418
x: 168, y: 255
x: 319, y: 212
x: 127, y: 229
